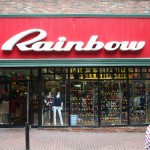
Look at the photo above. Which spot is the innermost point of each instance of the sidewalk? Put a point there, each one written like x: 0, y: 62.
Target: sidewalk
x: 14, y: 139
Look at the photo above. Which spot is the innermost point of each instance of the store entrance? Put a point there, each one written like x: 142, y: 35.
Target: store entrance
x: 18, y: 99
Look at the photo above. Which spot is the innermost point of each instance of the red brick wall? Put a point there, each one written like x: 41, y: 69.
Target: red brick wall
x: 75, y: 7
x: 140, y: 129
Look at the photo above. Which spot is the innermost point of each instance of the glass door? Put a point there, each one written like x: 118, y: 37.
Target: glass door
x: 13, y: 95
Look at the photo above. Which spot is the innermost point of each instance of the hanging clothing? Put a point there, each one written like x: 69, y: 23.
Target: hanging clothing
x: 49, y: 103
x: 57, y: 101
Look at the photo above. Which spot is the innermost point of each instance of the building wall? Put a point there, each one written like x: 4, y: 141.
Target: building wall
x: 79, y: 7
x: 75, y: 7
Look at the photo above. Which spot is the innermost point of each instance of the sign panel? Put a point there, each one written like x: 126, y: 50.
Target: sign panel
x: 54, y: 38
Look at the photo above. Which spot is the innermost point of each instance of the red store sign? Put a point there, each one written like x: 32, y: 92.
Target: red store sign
x: 49, y: 38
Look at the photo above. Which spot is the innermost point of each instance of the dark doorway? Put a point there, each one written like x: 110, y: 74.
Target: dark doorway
x: 18, y: 102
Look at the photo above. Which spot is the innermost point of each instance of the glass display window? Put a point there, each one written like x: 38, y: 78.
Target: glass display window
x: 54, y: 97
x: 83, y: 103
x: 139, y: 102
x: 91, y: 96
x: 113, y: 103
x: 84, y: 73
x: 112, y: 73
x: 145, y: 73
x: 134, y: 73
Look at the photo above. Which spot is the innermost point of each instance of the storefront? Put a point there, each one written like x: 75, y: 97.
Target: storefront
x: 100, y: 66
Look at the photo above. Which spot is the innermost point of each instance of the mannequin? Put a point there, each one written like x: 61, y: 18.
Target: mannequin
x: 49, y: 99
x: 49, y: 102
x: 57, y: 106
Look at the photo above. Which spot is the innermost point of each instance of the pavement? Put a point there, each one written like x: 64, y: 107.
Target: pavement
x: 14, y: 139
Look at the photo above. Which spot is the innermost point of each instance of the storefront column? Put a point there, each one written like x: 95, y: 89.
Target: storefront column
x: 39, y: 99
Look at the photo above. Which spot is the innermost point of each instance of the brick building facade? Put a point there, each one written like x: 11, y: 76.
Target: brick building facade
x: 75, y: 7
x: 78, y: 7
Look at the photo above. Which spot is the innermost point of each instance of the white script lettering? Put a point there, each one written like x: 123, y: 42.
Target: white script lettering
x: 36, y: 44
